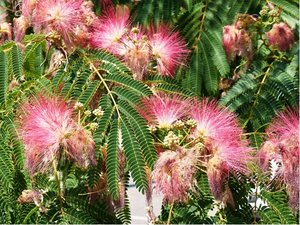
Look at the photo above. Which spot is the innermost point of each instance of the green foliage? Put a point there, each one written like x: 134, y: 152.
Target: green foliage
x: 264, y: 90
x: 277, y: 211
x: 267, y: 84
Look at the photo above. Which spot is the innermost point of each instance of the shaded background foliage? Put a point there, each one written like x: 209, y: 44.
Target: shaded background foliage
x: 268, y: 85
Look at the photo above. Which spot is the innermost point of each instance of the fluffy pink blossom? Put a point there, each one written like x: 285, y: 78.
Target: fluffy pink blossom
x: 5, y: 32
x: 174, y: 173
x: 230, y: 36
x: 217, y: 173
x: 47, y: 128
x: 20, y: 26
x: 136, y: 53
x: 224, y: 150
x: 28, y: 7
x: 110, y: 29
x: 163, y: 110
x: 281, y: 36
x: 22, y: 23
x: 168, y: 50
x: 60, y: 16
x: 214, y: 122
x: 237, y: 42
x: 282, y: 144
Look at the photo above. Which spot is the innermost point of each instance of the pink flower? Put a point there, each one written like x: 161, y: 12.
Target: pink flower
x: 59, y: 16
x: 168, y: 49
x: 22, y: 23
x: 237, y: 42
x: 110, y: 29
x: 214, y: 122
x: 217, y: 173
x: 174, y: 173
x: 281, y: 36
x: 5, y: 32
x: 224, y: 149
x: 136, y: 52
x: 47, y: 128
x: 20, y: 26
x: 28, y: 7
x: 230, y: 36
x: 283, y: 134
x: 163, y: 110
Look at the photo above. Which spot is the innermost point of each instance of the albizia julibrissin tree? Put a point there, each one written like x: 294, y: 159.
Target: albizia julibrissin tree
x: 195, y: 100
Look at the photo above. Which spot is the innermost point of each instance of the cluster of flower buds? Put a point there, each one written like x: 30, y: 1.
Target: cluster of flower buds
x: 139, y: 49
x: 282, y: 145
x: 204, y: 132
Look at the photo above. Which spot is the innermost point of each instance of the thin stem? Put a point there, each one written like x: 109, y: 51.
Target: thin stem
x: 257, y: 94
x: 255, y: 204
x: 105, y: 85
x: 170, y: 213
x: 57, y: 179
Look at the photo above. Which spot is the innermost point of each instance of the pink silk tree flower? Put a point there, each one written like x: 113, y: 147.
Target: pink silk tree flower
x: 215, y: 122
x: 224, y: 158
x: 136, y: 53
x: 22, y: 23
x: 28, y: 7
x: 47, y: 128
x: 59, y: 16
x: 230, y: 37
x: 20, y: 26
x: 174, y: 173
x: 283, y: 133
x: 281, y: 36
x: 5, y: 32
x: 217, y: 173
x: 110, y: 29
x: 237, y: 42
x: 224, y: 150
x: 163, y: 110
x: 168, y: 50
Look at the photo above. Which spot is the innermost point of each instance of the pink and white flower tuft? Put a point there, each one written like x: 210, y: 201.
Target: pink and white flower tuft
x: 283, y: 145
x: 230, y: 37
x: 136, y: 52
x: 110, y: 29
x: 47, y: 128
x: 224, y: 149
x: 215, y: 122
x: 60, y: 16
x: 168, y: 50
x: 163, y: 110
x: 174, y: 173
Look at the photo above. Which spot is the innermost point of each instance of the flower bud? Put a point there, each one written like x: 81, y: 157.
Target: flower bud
x: 281, y: 36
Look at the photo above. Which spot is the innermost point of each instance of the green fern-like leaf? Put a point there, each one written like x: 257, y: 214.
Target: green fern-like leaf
x: 104, y: 122
x: 74, y: 216
x: 134, y: 156
x: 277, y: 202
x: 112, y: 162
x: 3, y: 77
x: 141, y: 132
x: 88, y: 93
x: 130, y: 83
x: 17, y: 62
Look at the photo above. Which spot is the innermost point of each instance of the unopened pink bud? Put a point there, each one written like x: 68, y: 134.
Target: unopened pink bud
x: 281, y: 36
